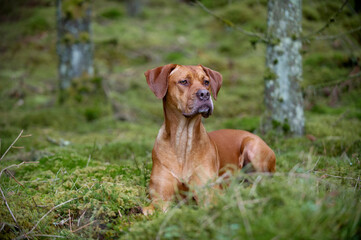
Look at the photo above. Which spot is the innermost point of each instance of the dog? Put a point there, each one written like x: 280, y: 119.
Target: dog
x: 184, y: 154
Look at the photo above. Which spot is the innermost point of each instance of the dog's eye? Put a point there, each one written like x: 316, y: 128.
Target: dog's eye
x: 183, y: 82
x: 206, y: 82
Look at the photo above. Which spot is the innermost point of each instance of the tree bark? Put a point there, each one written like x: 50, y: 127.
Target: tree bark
x: 283, y: 96
x: 74, y: 45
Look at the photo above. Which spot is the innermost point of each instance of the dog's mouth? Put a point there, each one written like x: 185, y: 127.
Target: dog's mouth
x: 205, y: 110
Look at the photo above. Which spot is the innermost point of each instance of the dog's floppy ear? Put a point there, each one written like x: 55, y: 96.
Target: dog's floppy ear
x: 157, y: 79
x: 216, y: 80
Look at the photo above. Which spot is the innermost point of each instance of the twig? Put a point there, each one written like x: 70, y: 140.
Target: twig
x: 49, y: 236
x: 232, y: 25
x: 70, y: 221
x: 27, y: 135
x: 8, y: 207
x: 2, y: 226
x: 335, y: 82
x: 83, y: 226
x: 46, y: 214
x: 335, y: 176
x: 358, y: 179
x: 330, y: 21
x: 12, y: 176
x: 314, y: 165
x: 14, y: 165
x: 330, y: 37
x: 7, y: 150
x: 81, y: 216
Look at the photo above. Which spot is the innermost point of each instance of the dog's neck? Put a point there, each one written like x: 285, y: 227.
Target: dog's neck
x: 182, y: 132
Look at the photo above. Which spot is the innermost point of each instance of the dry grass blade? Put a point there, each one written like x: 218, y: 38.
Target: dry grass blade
x: 83, y: 226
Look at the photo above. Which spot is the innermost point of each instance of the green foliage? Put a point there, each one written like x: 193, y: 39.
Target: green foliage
x: 245, y: 123
x: 310, y: 13
x: 112, y: 13
x: 37, y: 24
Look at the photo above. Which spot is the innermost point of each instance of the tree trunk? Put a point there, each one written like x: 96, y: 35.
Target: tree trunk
x: 134, y: 7
x: 283, y: 96
x: 74, y: 45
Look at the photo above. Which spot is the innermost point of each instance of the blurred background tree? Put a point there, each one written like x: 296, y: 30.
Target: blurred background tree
x: 74, y: 45
x: 134, y: 7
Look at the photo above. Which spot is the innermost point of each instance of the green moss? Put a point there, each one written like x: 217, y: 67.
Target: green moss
x: 107, y: 164
x: 84, y: 37
x: 68, y: 39
x: 75, y: 9
x: 269, y: 75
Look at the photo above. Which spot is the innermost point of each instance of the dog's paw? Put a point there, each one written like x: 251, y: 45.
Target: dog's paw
x: 148, y: 210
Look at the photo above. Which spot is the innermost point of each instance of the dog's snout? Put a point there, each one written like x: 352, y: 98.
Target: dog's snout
x: 203, y: 94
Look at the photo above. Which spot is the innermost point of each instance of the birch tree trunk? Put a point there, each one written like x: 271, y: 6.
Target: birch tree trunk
x: 283, y: 96
x: 74, y: 45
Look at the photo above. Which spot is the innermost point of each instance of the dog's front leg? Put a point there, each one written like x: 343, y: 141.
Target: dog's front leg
x: 162, y: 188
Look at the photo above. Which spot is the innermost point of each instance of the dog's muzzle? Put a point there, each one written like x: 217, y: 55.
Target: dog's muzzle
x: 202, y: 105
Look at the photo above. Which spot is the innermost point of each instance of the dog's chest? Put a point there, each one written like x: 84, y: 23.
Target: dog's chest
x: 183, y: 153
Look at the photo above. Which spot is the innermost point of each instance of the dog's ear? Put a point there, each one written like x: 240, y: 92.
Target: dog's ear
x: 216, y: 80
x: 157, y: 79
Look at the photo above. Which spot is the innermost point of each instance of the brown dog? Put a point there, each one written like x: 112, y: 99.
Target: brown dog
x: 184, y: 154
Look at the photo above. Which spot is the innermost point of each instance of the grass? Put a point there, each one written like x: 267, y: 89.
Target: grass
x: 83, y: 152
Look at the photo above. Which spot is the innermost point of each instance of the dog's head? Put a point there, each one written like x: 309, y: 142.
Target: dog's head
x: 185, y: 88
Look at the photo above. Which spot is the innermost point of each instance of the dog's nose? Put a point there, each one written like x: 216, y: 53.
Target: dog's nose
x: 203, y: 94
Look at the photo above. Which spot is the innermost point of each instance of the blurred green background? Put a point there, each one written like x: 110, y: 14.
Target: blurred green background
x: 96, y: 146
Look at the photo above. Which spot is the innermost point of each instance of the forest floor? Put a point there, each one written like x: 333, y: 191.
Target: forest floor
x: 84, y: 165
